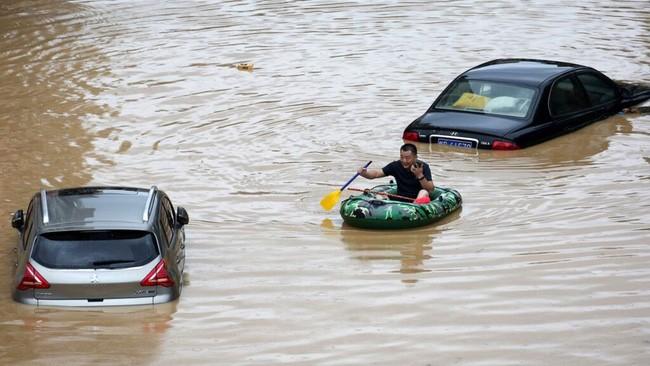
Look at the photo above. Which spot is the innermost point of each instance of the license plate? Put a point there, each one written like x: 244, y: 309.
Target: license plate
x: 455, y: 143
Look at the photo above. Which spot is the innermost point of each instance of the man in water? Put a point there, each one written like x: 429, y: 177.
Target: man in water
x: 413, y: 177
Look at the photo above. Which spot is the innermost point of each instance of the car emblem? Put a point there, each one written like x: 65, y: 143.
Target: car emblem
x: 94, y: 280
x: 454, y: 133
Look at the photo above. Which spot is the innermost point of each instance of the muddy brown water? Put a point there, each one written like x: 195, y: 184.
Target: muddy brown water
x: 546, y: 264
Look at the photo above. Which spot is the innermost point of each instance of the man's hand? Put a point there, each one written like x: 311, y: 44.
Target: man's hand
x: 362, y: 171
x: 416, y: 169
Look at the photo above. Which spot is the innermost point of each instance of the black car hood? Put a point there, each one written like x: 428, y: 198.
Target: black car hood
x: 468, y: 122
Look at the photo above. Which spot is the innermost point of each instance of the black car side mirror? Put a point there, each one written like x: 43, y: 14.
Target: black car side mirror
x: 182, y: 218
x: 18, y: 220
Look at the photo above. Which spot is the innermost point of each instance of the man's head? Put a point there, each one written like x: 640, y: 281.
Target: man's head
x: 408, y: 155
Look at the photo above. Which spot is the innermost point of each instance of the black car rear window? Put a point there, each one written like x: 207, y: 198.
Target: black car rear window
x: 95, y: 249
x: 488, y: 97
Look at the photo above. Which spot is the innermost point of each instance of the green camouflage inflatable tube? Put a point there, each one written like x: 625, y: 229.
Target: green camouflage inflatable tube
x: 372, y: 210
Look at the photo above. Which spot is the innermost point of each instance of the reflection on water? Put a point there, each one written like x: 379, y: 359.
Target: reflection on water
x: 409, y: 249
x: 546, y: 263
x: 577, y: 148
x: 129, y: 335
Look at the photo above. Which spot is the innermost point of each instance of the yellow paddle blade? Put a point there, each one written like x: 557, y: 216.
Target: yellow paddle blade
x: 330, y: 200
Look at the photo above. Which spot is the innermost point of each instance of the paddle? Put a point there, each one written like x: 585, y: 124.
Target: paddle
x: 383, y: 194
x: 332, y: 198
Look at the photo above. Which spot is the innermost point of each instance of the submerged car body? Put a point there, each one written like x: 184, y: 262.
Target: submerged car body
x: 509, y: 104
x: 99, y: 246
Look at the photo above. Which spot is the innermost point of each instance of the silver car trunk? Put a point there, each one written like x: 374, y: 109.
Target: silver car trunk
x: 95, y: 266
x: 95, y: 285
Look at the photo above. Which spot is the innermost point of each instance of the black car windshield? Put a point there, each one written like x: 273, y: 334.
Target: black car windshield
x: 95, y: 249
x: 487, y: 97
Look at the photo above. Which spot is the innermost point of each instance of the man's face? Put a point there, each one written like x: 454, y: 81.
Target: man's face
x: 407, y: 158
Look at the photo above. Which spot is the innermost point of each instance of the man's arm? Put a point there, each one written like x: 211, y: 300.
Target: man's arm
x: 426, y: 184
x: 371, y: 173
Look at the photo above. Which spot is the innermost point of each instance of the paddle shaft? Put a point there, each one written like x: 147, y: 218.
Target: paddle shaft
x: 354, y: 177
x: 383, y: 193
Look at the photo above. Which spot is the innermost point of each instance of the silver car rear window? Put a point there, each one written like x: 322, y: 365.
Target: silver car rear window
x: 95, y: 249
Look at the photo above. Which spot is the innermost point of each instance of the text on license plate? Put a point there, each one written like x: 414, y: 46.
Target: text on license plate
x: 456, y: 143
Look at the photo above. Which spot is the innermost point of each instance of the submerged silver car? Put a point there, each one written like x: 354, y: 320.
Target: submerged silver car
x: 99, y: 246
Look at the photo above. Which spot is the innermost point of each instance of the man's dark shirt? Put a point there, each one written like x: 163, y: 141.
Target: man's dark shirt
x: 407, y: 183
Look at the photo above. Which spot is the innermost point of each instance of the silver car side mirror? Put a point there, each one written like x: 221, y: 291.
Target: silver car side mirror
x: 182, y: 218
x: 18, y: 220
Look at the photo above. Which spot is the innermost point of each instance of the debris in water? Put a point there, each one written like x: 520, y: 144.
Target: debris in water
x: 640, y: 110
x: 244, y: 67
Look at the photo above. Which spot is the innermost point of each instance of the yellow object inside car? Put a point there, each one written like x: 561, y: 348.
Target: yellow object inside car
x: 471, y: 100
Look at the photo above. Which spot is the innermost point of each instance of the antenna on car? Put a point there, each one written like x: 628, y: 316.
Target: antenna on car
x: 147, y: 206
x: 46, y: 216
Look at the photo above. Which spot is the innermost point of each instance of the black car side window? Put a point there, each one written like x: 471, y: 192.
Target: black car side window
x: 566, y: 98
x: 598, y: 90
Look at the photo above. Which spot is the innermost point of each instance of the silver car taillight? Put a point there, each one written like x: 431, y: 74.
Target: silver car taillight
x: 32, y: 279
x: 158, y: 276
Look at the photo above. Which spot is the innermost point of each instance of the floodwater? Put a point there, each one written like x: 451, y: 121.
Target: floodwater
x: 546, y: 263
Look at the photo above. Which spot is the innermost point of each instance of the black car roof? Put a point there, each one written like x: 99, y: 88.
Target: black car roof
x: 89, y: 206
x: 521, y: 71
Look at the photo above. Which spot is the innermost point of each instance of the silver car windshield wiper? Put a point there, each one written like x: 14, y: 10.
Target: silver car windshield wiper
x: 109, y: 262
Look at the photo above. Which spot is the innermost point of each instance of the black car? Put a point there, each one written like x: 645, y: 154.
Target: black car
x: 99, y: 246
x: 508, y: 104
